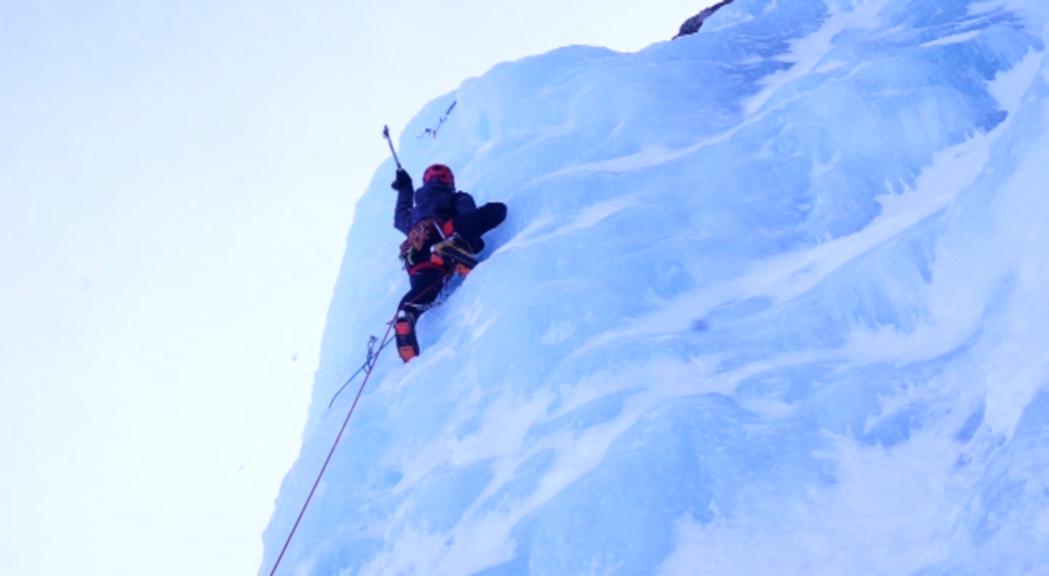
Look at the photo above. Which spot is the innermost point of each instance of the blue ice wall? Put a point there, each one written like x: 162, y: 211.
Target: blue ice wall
x: 770, y: 299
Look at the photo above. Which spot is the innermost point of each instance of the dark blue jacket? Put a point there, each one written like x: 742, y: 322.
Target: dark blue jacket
x: 433, y: 200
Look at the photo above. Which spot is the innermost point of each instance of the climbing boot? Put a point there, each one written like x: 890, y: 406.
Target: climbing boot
x: 404, y: 333
x: 453, y: 254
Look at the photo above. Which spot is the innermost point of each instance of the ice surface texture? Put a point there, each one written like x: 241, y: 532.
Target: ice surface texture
x: 771, y: 299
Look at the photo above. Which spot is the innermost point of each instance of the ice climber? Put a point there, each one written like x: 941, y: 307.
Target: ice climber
x: 444, y: 228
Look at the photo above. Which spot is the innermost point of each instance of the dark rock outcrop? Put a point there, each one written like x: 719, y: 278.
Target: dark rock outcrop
x: 693, y: 24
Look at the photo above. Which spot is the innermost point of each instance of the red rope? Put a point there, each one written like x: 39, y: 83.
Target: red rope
x: 345, y: 423
x: 331, y: 452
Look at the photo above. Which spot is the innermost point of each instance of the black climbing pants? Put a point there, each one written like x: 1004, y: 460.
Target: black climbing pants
x: 426, y: 283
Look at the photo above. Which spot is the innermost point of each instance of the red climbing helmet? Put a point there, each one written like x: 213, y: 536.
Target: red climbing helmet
x: 440, y: 173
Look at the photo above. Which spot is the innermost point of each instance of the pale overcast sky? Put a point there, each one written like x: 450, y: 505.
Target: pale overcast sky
x: 176, y: 183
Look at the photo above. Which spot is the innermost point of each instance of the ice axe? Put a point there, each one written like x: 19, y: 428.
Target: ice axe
x: 386, y: 134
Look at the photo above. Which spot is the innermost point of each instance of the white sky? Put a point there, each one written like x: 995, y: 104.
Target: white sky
x: 176, y: 183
